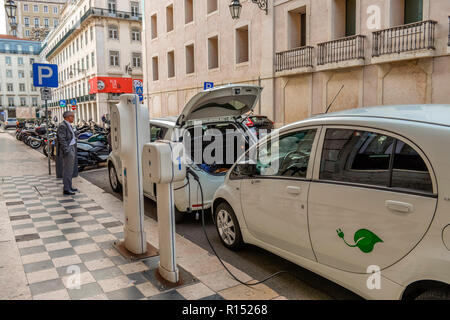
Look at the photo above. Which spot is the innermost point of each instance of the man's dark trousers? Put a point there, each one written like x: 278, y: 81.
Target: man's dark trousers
x: 68, y: 165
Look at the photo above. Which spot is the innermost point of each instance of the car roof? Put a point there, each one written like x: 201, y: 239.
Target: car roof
x: 166, y: 121
x: 438, y: 114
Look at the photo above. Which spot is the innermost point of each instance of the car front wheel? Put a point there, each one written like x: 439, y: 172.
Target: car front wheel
x: 227, y: 227
x: 114, y: 180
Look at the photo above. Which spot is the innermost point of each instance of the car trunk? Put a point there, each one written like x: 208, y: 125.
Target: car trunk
x: 215, y: 147
x: 212, y: 134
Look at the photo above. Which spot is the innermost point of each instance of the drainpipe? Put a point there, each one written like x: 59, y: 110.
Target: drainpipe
x: 144, y: 43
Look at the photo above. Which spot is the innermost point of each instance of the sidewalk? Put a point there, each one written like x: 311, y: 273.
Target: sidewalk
x: 45, y: 235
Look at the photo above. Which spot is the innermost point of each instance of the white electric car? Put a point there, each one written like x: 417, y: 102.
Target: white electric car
x: 361, y: 197
x: 222, y: 110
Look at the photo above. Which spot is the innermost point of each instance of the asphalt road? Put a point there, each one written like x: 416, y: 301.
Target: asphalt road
x: 298, y: 284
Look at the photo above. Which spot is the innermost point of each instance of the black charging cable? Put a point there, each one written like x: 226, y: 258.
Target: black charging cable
x: 196, y: 178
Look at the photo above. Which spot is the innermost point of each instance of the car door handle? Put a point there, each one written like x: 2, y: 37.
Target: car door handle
x: 293, y: 190
x: 398, y: 206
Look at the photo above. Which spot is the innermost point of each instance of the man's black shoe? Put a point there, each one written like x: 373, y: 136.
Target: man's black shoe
x: 69, y: 193
x: 74, y: 189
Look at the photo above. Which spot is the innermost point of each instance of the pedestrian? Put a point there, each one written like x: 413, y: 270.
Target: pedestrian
x: 66, y: 162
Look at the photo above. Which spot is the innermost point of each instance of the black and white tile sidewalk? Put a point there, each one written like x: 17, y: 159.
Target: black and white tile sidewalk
x: 57, y: 235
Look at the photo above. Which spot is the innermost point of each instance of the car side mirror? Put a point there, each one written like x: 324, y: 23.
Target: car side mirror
x: 246, y: 169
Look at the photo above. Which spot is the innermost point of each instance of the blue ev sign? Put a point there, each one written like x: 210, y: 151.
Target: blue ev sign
x: 45, y: 75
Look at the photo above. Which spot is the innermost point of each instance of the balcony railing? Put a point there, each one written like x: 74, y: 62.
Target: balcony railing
x: 349, y: 48
x: 294, y: 58
x: 406, y: 38
x: 95, y: 12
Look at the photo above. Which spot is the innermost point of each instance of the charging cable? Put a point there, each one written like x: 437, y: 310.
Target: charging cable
x: 196, y: 178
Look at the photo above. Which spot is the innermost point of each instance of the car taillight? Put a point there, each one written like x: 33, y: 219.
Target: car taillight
x: 249, y: 123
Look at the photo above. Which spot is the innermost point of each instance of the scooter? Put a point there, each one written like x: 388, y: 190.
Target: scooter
x: 91, y: 154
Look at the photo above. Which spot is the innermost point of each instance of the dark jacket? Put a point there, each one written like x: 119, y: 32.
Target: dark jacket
x: 63, y: 138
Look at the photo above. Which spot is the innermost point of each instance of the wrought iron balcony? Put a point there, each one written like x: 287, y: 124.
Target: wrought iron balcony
x: 294, y: 59
x: 406, y: 38
x: 349, y: 48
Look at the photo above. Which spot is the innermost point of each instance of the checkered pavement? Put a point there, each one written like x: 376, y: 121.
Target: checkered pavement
x: 57, y: 234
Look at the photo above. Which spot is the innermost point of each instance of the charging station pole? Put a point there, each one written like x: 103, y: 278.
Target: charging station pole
x: 163, y: 162
x: 166, y: 219
x: 129, y: 132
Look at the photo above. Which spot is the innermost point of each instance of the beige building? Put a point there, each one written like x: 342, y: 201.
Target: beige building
x: 36, y: 18
x: 303, y: 52
x: 98, y: 50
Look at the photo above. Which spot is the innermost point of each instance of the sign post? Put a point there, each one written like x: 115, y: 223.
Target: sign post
x: 46, y: 94
x: 45, y: 76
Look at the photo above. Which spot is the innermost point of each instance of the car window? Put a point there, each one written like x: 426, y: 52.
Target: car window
x: 365, y: 157
x: 287, y: 156
x: 156, y: 133
x: 410, y: 171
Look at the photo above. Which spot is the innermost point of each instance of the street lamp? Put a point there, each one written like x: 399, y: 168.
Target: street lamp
x: 236, y: 7
x: 11, y: 8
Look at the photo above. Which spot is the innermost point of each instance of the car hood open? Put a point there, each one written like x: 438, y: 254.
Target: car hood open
x: 230, y: 100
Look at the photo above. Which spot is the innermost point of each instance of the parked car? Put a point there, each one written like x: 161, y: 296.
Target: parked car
x: 259, y: 125
x: 348, y: 194
x: 220, y: 109
x: 10, y: 123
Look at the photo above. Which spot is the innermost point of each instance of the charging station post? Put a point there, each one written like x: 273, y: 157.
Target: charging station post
x: 163, y: 162
x: 130, y: 130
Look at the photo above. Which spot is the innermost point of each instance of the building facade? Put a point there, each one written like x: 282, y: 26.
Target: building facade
x: 36, y: 18
x: 305, y: 53
x: 98, y: 50
x: 18, y: 97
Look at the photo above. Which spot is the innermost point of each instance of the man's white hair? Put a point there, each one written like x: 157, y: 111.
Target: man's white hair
x: 67, y: 114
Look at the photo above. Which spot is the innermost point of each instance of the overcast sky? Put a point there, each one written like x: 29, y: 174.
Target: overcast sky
x: 2, y: 17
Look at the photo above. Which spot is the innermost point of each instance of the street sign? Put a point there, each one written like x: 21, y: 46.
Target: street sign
x: 46, y: 94
x: 139, y: 90
x: 208, y: 85
x: 74, y: 107
x: 62, y: 103
x: 73, y: 102
x: 45, y: 75
x: 141, y: 97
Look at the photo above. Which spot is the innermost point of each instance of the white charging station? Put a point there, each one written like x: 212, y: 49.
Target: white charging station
x: 163, y: 164
x: 130, y: 130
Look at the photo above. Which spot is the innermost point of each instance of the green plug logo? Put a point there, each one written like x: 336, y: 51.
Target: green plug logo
x: 364, y: 239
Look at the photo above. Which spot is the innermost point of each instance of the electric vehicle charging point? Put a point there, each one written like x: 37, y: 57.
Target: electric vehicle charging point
x: 163, y: 164
x: 129, y: 132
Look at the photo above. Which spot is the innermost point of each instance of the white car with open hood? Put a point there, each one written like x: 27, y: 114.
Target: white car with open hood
x: 212, y: 128
x: 361, y: 197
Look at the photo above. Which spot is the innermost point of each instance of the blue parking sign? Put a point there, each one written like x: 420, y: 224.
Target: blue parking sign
x: 208, y: 85
x: 45, y: 75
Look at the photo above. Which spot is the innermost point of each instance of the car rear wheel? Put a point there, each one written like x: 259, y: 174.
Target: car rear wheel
x: 435, y: 294
x: 227, y: 227
x: 114, y: 180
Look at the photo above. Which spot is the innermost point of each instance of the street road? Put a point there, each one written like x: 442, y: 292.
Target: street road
x: 256, y: 262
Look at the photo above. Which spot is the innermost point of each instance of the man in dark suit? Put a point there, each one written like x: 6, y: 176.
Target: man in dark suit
x: 67, y: 150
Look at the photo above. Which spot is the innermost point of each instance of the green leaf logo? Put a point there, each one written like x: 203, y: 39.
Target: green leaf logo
x: 364, y: 239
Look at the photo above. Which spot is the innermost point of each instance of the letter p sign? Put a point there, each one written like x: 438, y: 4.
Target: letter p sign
x: 45, y: 75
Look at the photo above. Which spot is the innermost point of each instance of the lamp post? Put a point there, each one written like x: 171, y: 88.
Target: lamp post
x: 11, y: 8
x: 236, y: 7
